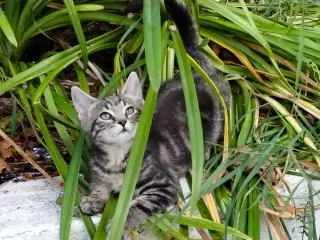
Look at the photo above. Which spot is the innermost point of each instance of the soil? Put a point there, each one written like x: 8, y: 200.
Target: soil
x: 12, y: 165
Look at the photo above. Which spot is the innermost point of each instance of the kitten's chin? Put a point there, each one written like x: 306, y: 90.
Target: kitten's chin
x: 124, y: 131
x: 120, y: 141
x: 122, y: 138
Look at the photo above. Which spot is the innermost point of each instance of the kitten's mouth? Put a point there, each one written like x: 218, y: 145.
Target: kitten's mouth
x: 123, y: 131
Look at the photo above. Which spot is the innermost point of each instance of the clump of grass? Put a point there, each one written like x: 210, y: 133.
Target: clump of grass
x: 272, y: 126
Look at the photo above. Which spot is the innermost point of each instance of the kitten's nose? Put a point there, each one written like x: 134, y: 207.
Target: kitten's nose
x: 122, y: 122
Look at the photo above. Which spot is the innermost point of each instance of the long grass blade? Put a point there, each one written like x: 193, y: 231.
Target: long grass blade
x: 225, y: 108
x: 24, y: 18
x: 69, y: 194
x: 152, y: 40
x: 194, y: 119
x: 12, y: 11
x: 203, y: 223
x: 107, y: 215
x: 286, y: 115
x: 66, y: 57
x: 167, y: 227
x: 6, y: 28
x: 133, y: 166
x: 242, y: 23
x: 78, y: 30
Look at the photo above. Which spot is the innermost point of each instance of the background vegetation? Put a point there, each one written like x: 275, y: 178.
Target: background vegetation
x: 270, y: 54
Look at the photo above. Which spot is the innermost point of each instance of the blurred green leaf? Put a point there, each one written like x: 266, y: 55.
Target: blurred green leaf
x: 194, y: 119
x: 272, y: 122
x: 152, y: 40
x: 6, y: 28
x: 78, y: 30
x: 69, y: 193
x: 203, y: 223
x: 133, y: 166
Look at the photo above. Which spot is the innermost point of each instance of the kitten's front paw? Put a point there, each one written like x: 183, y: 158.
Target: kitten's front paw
x: 92, y: 205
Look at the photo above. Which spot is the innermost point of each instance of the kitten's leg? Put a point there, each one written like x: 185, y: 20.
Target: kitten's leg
x: 99, y: 194
x: 154, y: 197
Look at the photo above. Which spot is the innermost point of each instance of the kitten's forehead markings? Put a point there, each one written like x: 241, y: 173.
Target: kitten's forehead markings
x: 123, y: 102
x: 117, y: 108
x: 116, y: 99
x: 108, y: 106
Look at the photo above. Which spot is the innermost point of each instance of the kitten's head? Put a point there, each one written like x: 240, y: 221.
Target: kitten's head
x: 114, y: 119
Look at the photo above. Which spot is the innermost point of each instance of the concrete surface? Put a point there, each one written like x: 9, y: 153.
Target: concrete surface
x: 28, y: 210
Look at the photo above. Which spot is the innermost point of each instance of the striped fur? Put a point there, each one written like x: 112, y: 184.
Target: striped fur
x: 167, y: 157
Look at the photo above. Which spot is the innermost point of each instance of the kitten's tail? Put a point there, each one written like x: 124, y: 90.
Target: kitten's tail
x: 186, y: 25
x: 188, y: 30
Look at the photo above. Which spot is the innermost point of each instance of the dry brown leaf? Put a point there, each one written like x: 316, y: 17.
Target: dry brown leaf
x: 27, y: 158
x: 210, y: 202
x: 3, y: 165
x: 276, y: 228
x: 5, y: 149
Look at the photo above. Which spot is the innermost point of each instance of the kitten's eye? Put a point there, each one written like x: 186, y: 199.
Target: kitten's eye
x: 105, y: 116
x: 129, y: 110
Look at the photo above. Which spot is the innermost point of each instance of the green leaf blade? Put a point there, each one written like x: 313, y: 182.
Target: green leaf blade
x: 152, y: 41
x: 6, y: 28
x: 70, y: 190
x: 78, y: 30
x: 194, y: 119
x: 133, y: 167
x: 207, y: 224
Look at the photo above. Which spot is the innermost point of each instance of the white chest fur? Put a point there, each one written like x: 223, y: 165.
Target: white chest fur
x: 116, y: 163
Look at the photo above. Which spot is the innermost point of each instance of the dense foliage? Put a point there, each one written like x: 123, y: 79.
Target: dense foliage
x: 270, y: 54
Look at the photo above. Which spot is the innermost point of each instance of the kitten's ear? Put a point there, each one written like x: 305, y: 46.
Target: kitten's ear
x: 132, y: 86
x: 82, y: 103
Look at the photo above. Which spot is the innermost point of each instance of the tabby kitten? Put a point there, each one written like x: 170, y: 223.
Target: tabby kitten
x: 112, y: 123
